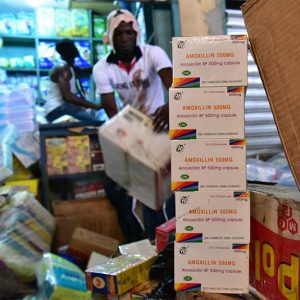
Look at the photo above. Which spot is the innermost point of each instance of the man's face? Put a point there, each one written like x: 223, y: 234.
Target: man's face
x: 124, y: 38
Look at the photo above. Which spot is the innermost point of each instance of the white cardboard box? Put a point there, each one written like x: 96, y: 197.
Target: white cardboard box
x: 215, y: 268
x: 136, y: 157
x: 214, y: 217
x: 216, y: 112
x: 208, y: 164
x: 204, y: 61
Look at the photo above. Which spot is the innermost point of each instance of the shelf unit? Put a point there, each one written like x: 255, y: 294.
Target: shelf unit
x: 64, y: 182
x: 21, y: 45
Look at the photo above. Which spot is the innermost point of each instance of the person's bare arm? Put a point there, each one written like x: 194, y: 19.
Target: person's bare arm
x: 109, y: 104
x: 64, y: 76
x: 161, y: 115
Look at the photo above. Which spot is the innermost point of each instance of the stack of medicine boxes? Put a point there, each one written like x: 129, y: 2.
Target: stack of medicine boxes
x: 208, y: 153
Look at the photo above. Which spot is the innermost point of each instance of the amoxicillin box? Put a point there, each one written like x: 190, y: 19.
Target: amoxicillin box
x: 208, y: 164
x: 215, y: 268
x: 213, y: 217
x: 204, y: 61
x: 216, y: 112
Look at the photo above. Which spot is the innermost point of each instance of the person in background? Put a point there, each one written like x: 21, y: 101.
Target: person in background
x: 138, y: 74
x: 66, y: 96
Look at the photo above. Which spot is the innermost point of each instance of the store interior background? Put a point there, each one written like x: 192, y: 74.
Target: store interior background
x: 24, y: 72
x: 159, y: 21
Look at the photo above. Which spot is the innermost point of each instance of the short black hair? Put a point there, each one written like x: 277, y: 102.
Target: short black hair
x: 67, y: 49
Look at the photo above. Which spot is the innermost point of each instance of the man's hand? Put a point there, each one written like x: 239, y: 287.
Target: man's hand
x: 161, y: 118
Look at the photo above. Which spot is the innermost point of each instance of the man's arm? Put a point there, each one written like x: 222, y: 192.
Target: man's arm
x: 64, y: 77
x: 161, y: 115
x: 109, y: 104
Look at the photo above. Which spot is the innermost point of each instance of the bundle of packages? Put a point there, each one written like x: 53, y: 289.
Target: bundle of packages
x: 26, y: 231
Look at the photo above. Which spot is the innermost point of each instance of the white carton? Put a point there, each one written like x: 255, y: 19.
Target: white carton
x: 214, y: 268
x: 208, y: 164
x: 213, y: 217
x: 136, y: 157
x: 216, y: 112
x: 204, y: 61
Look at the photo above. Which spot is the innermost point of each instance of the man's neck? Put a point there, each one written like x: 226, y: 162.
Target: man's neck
x: 126, y: 58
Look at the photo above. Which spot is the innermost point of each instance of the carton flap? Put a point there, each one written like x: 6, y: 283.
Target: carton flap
x: 276, y: 49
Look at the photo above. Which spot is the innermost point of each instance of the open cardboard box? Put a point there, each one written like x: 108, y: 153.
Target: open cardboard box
x: 274, y: 33
x: 96, y: 215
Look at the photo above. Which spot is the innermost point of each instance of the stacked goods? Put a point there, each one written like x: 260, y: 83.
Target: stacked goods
x: 208, y: 164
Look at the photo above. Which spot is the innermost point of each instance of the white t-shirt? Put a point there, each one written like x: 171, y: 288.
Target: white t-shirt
x: 54, y: 97
x: 141, y: 87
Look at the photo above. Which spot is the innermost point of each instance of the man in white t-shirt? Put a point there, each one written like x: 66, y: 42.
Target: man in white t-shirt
x: 138, y: 74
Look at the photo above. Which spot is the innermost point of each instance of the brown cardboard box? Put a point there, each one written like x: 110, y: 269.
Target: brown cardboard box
x: 274, y: 32
x: 84, y: 242
x: 96, y: 215
x: 275, y: 241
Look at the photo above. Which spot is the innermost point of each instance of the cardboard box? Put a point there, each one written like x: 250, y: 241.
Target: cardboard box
x: 214, y: 268
x: 207, y: 113
x: 206, y: 61
x: 208, y: 164
x: 164, y: 234
x: 96, y: 215
x: 214, y: 217
x: 275, y: 241
x: 119, y: 275
x: 84, y: 242
x: 275, y: 48
x: 136, y: 157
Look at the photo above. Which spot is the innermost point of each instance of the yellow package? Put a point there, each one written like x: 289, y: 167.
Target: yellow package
x: 80, y: 22
x: 63, y: 25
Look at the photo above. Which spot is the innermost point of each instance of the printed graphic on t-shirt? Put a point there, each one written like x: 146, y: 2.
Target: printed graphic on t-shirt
x: 140, y: 83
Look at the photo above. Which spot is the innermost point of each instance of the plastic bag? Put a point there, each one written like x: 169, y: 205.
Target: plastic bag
x: 163, y: 271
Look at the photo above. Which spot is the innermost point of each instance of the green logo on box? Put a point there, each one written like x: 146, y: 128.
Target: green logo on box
x: 189, y: 228
x: 184, y: 176
x: 186, y: 73
x: 187, y: 278
x: 182, y: 124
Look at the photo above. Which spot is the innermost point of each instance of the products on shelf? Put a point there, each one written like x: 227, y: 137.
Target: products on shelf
x: 80, y: 22
x: 46, y: 21
x: 100, y: 50
x: 63, y: 24
x: 48, y: 57
x: 26, y: 61
x: 21, y: 23
x: 69, y: 155
x: 99, y: 26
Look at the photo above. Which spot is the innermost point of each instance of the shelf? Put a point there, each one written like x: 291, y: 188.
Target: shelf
x: 97, y: 39
x: 57, y: 38
x: 77, y: 175
x: 21, y: 70
x: 17, y: 37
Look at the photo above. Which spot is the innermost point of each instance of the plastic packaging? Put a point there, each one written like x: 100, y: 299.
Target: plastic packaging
x: 26, y: 230
x: 80, y: 22
x: 59, y: 279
